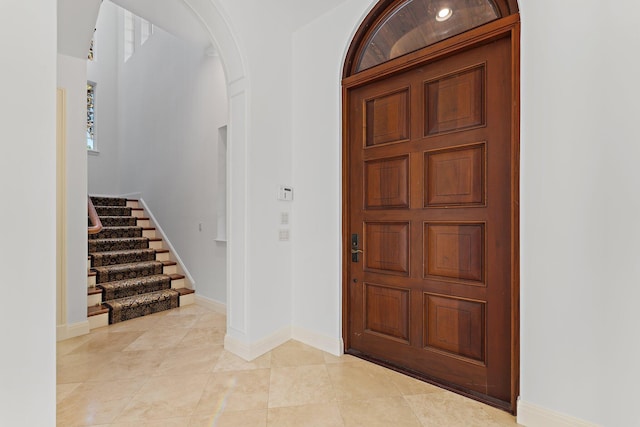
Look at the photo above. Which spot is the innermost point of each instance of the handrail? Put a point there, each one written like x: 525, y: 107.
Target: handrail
x: 94, y: 218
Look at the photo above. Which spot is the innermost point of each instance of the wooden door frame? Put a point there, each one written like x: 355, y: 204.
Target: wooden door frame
x: 504, y: 27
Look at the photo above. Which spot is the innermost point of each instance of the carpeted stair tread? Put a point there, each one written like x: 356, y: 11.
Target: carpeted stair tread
x: 128, y: 271
x: 108, y: 201
x: 118, y: 221
x: 117, y: 232
x: 142, y: 305
x: 107, y: 245
x: 131, y: 287
x: 102, y: 259
x: 113, y: 211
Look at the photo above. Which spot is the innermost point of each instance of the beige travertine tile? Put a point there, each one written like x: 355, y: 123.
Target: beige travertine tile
x: 445, y: 408
x: 230, y: 362
x: 198, y: 337
x: 129, y: 364
x: 345, y: 358
x: 101, y: 412
x: 189, y: 360
x: 300, y: 385
x: 408, y: 385
x: 189, y: 309
x: 294, y: 353
x: 317, y: 415
x: 360, y: 381
x: 169, y: 422
x: 235, y: 391
x: 67, y: 346
x: 63, y: 390
x: 158, y: 338
x: 139, y: 324
x: 80, y: 367
x: 108, y: 341
x: 165, y: 397
x: 379, y: 412
x: 183, y: 321
x: 256, y: 418
x: 211, y: 320
x: 96, y: 403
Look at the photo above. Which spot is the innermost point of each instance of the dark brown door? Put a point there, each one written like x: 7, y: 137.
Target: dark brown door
x: 430, y: 194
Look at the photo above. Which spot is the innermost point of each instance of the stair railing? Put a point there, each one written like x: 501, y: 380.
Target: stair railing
x: 96, y: 224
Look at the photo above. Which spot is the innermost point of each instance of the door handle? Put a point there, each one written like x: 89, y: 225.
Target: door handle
x: 355, y: 242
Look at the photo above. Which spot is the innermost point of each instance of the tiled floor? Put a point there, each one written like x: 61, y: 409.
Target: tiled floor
x: 170, y: 369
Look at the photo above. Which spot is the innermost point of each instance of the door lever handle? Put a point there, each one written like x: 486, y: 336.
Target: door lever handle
x: 357, y: 251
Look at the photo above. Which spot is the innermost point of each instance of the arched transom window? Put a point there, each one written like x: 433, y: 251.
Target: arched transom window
x: 414, y: 24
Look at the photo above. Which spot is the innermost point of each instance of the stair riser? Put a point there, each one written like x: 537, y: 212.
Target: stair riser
x: 164, y: 256
x: 98, y: 321
x: 104, y: 260
x: 187, y: 300
x: 156, y: 244
x: 94, y: 300
x: 132, y: 204
x: 118, y: 245
x: 118, y: 314
x: 177, y: 284
x: 118, y: 233
x: 149, y: 234
x: 113, y: 211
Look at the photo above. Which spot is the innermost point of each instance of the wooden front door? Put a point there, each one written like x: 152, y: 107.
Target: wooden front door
x: 429, y: 269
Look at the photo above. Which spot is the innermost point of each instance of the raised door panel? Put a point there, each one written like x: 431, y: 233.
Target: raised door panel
x: 386, y: 312
x: 386, y: 247
x: 387, y: 118
x: 454, y: 251
x: 387, y: 183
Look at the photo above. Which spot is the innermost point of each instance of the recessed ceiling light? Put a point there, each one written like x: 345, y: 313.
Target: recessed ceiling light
x: 444, y: 14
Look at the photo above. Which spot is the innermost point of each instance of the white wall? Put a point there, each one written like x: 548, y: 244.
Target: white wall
x: 172, y: 101
x: 580, y: 260
x: 72, y: 76
x: 28, y: 176
x: 104, y: 72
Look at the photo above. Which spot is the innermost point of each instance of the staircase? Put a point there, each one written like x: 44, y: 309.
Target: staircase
x: 130, y: 274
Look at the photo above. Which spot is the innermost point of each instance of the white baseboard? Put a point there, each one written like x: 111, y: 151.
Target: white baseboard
x: 166, y: 241
x: 531, y: 415
x: 321, y: 342
x: 64, y: 332
x: 211, y: 304
x: 251, y: 351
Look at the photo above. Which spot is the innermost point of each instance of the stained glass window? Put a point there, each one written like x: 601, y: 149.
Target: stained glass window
x: 91, y: 118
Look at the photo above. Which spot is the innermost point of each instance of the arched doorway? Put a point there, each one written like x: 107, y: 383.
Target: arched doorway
x: 430, y: 187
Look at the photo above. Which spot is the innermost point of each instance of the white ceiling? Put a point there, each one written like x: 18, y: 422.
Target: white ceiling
x: 172, y: 16
x: 76, y: 22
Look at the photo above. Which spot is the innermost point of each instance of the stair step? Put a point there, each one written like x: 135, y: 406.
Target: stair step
x: 132, y: 203
x: 119, y: 221
x: 112, y: 273
x: 142, y: 305
x: 113, y: 211
x: 110, y: 245
x: 137, y: 212
x: 118, y: 233
x: 155, y: 243
x: 162, y: 254
x: 94, y: 296
x: 102, y: 259
x: 177, y: 281
x: 97, y: 310
x: 108, y: 201
x: 187, y: 296
x: 131, y: 287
